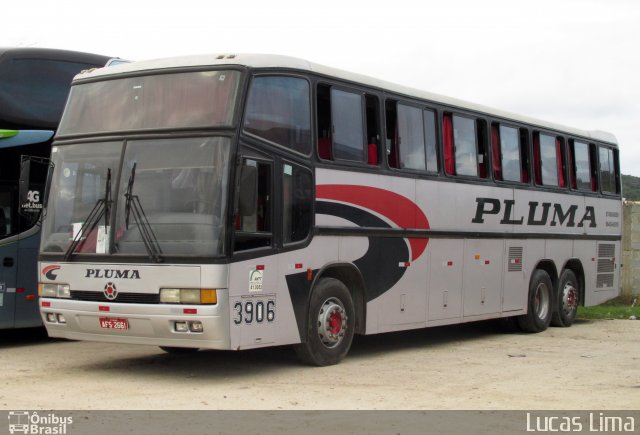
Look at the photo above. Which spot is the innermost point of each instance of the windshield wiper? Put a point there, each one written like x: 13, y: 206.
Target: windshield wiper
x: 102, y: 208
x: 132, y: 203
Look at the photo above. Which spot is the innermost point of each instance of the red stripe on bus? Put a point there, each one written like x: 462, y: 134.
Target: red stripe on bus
x: 397, y: 208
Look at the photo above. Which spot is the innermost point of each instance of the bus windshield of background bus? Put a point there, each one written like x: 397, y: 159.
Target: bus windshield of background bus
x: 179, y: 185
x: 178, y: 100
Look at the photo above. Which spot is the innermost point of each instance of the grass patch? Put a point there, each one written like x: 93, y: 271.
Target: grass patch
x: 621, y: 307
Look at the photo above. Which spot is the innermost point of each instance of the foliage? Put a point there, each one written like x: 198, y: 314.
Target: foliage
x: 619, y: 308
x: 631, y: 187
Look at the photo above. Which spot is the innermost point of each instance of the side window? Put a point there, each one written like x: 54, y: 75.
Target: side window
x: 411, y: 138
x: 297, y: 196
x: 464, y: 141
x: 525, y: 156
x: 416, y: 138
x: 608, y: 171
x: 548, y: 160
x: 347, y: 120
x: 279, y: 110
x: 465, y: 147
x: 581, y: 166
x: 430, y: 139
x: 348, y: 125
x: 506, y: 153
x: 253, y: 206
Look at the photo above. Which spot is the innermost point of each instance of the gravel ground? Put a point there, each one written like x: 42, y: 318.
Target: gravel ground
x: 592, y: 365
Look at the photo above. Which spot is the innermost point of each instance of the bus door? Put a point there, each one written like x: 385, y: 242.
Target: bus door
x: 275, y: 215
x: 8, y: 256
x: 253, y: 275
x: 27, y: 313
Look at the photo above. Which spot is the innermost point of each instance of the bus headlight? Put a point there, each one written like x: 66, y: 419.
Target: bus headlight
x: 46, y: 290
x: 191, y: 296
x: 170, y: 295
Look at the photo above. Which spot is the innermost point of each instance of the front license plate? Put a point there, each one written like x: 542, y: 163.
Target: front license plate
x: 114, y: 323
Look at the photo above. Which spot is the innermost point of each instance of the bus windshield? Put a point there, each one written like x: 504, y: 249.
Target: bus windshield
x: 172, y: 193
x: 166, y: 101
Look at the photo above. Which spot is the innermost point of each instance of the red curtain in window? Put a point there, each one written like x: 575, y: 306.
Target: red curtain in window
x: 561, y: 181
x: 447, y: 132
x: 372, y: 157
x: 495, y: 153
x: 537, y: 167
x: 324, y: 148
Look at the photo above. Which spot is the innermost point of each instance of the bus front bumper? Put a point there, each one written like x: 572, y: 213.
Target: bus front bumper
x: 194, y: 326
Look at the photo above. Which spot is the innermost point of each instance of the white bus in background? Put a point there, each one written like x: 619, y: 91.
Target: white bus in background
x: 242, y: 201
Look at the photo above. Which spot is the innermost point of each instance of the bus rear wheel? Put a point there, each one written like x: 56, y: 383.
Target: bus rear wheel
x: 539, y: 303
x: 568, y: 298
x: 330, y: 324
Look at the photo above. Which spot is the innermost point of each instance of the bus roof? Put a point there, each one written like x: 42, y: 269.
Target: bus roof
x: 34, y: 84
x: 292, y: 63
x: 51, y: 54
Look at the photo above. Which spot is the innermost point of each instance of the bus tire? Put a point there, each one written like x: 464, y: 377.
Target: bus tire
x: 179, y: 350
x: 567, y: 299
x: 330, y: 324
x: 539, y: 303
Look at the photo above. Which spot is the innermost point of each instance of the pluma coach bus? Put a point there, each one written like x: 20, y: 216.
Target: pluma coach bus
x: 242, y: 201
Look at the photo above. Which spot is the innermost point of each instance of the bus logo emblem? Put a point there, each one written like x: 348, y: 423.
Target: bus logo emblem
x: 110, y: 291
x: 49, y: 272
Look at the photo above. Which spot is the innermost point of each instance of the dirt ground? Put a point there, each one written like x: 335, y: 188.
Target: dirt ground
x: 592, y: 365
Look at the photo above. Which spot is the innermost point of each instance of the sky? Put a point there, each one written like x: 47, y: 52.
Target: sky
x: 572, y: 62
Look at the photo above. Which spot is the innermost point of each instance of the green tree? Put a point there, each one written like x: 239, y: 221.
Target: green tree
x: 631, y: 187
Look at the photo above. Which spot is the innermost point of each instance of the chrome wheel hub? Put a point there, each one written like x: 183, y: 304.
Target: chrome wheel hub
x: 569, y: 298
x: 332, y: 322
x: 541, y: 301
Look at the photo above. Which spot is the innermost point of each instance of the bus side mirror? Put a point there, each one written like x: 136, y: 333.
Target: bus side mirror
x: 23, y: 183
x: 30, y: 197
x: 248, y: 191
x: 47, y: 186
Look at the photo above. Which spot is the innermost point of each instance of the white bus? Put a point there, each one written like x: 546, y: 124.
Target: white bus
x: 242, y: 201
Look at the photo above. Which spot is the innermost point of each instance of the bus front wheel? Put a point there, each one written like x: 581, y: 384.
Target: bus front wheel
x: 539, y: 304
x: 330, y: 324
x: 568, y: 297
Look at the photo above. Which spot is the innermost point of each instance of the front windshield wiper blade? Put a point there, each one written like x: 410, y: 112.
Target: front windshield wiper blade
x: 102, y: 208
x: 132, y: 203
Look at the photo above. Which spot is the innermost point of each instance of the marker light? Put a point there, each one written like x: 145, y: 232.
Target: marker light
x: 181, y: 327
x: 191, y: 296
x: 196, y: 326
x: 208, y: 296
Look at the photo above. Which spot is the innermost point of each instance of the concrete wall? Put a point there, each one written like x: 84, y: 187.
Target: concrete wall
x: 631, y: 248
